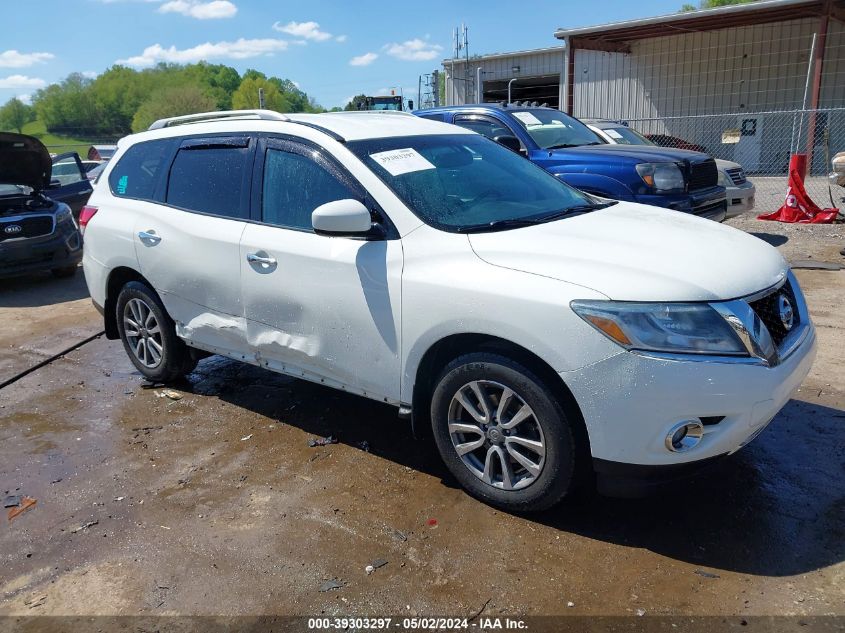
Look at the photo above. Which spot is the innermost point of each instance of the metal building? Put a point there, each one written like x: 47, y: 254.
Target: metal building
x: 751, y: 82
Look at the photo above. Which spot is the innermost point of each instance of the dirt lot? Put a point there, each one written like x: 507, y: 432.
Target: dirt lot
x: 215, y: 503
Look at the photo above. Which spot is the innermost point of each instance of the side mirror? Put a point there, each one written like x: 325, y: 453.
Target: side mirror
x: 341, y: 217
x: 511, y: 142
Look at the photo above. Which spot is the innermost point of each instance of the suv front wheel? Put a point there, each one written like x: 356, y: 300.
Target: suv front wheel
x: 149, y: 335
x: 502, y: 433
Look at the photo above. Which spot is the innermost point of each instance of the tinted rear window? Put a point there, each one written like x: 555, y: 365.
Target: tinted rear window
x: 209, y: 180
x: 137, y: 171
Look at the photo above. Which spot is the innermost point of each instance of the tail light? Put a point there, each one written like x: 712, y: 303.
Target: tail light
x: 85, y: 217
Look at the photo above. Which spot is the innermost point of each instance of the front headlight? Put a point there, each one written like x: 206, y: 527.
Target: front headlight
x: 64, y: 216
x: 662, y: 177
x: 680, y: 328
x: 724, y: 179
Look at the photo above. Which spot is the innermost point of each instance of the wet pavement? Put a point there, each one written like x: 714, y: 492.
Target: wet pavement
x: 215, y: 503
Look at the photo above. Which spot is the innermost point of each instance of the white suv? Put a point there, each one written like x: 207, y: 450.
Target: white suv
x: 547, y: 337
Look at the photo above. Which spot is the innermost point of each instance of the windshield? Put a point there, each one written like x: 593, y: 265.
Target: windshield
x: 552, y: 129
x: 461, y: 182
x: 626, y: 136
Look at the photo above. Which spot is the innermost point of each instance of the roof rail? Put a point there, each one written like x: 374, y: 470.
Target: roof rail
x: 205, y: 117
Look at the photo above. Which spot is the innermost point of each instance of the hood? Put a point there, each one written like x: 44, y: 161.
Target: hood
x: 24, y: 161
x: 633, y: 252
x: 722, y: 164
x: 633, y: 153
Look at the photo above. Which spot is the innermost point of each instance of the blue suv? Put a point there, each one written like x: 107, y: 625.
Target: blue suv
x: 665, y: 177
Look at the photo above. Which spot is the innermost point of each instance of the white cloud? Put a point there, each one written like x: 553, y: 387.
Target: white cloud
x: 213, y: 10
x: 16, y: 59
x: 17, y: 82
x: 363, y: 60
x: 340, y: 38
x: 27, y: 99
x: 89, y: 74
x: 305, y: 30
x: 413, y: 50
x: 240, y: 49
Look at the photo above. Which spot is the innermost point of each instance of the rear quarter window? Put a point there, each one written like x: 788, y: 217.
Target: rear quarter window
x: 136, y: 173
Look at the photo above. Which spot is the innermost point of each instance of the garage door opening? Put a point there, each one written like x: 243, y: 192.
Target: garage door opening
x: 544, y: 89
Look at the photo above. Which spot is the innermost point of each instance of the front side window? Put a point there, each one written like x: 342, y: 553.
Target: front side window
x: 294, y: 185
x: 626, y: 136
x: 484, y: 126
x: 552, y: 129
x: 209, y: 178
x: 465, y: 182
x: 137, y: 171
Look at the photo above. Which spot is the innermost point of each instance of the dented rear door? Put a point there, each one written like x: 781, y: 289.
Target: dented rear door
x: 188, y: 244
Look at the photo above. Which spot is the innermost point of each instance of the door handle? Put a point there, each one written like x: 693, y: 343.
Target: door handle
x: 255, y: 258
x: 149, y: 236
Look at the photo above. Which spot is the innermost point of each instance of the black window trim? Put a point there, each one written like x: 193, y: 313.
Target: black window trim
x: 332, y: 165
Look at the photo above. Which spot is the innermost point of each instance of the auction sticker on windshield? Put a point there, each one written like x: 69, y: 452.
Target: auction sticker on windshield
x: 527, y: 118
x: 401, y: 161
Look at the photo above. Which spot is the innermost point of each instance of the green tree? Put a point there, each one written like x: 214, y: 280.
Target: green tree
x: 68, y: 107
x: 218, y: 81
x: 354, y: 101
x: 15, y: 114
x: 122, y: 99
x: 172, y: 101
x: 246, y: 96
x: 117, y: 95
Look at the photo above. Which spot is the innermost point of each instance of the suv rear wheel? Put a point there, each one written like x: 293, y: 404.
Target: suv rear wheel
x: 149, y: 335
x: 502, y: 433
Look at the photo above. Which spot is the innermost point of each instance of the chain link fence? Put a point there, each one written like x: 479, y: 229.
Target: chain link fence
x: 762, y: 142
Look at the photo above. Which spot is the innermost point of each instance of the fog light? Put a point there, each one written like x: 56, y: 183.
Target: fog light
x: 684, y: 436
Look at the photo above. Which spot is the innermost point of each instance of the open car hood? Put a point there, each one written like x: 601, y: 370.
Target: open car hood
x: 24, y: 161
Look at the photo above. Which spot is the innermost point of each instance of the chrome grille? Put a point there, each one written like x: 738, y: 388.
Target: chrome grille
x: 737, y: 175
x: 703, y: 175
x: 767, y: 309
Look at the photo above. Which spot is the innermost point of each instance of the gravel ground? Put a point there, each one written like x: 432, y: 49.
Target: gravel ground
x: 797, y: 242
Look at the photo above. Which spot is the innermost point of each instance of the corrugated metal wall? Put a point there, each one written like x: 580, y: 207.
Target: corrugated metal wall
x: 698, y: 86
x: 751, y: 68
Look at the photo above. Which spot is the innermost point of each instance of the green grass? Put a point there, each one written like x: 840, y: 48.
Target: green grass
x: 56, y: 144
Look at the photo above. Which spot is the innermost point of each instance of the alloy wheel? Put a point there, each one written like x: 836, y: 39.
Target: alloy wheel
x: 497, y: 435
x: 143, y: 332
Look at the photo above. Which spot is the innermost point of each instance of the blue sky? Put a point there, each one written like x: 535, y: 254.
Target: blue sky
x: 333, y: 50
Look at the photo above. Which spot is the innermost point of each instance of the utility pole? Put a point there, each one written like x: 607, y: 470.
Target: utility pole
x: 261, y: 98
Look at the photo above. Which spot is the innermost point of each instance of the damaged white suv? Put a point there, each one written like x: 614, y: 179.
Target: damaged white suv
x: 547, y: 336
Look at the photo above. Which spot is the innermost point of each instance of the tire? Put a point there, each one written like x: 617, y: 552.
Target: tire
x: 552, y: 472
x: 156, y: 352
x: 67, y: 271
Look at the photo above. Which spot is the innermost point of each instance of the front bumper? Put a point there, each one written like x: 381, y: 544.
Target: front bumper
x: 60, y: 249
x: 632, y: 401
x: 706, y: 203
x: 740, y: 199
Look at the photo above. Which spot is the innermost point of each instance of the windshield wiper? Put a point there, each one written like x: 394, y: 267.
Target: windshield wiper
x: 513, y: 223
x: 567, y: 145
